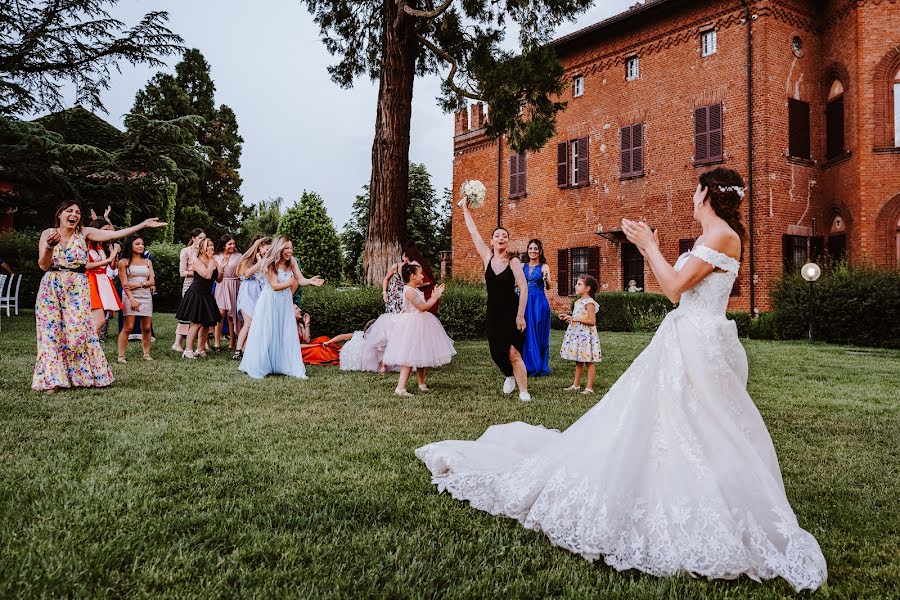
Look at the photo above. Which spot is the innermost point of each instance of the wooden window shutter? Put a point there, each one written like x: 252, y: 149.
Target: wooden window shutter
x: 562, y: 272
x: 520, y: 187
x: 798, y: 128
x: 787, y: 252
x: 701, y: 135
x: 715, y: 132
x: 513, y: 176
x: 834, y: 128
x: 584, y: 164
x: 562, y: 164
x: 637, y: 149
x: 593, y: 262
x: 625, y: 166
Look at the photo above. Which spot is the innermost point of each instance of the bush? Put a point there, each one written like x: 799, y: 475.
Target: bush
x: 343, y: 310
x: 624, y: 311
x: 20, y: 250
x: 851, y: 305
x: 168, y: 279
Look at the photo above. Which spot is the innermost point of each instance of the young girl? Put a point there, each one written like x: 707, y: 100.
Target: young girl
x: 198, y: 306
x: 581, y: 343
x: 251, y: 287
x: 138, y: 285
x: 417, y: 339
x: 272, y: 345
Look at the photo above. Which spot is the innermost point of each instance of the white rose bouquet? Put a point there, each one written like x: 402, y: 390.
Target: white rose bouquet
x: 472, y: 192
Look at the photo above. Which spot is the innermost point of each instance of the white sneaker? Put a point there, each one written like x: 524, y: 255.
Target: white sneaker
x: 509, y: 384
x: 524, y: 396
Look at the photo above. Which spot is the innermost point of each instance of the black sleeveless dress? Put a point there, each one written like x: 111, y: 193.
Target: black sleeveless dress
x: 502, y: 306
x: 198, y: 305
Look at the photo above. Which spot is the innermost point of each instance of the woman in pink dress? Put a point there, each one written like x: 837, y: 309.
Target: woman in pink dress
x: 227, y: 292
x: 68, y: 349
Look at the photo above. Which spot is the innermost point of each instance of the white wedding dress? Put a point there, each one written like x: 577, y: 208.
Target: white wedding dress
x: 672, y: 471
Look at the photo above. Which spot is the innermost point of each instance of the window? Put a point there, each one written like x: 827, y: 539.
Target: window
x: 708, y: 42
x: 632, y: 266
x: 685, y: 245
x: 578, y: 86
x: 798, y: 128
x: 837, y: 239
x: 708, y: 134
x: 572, y: 163
x: 632, y: 69
x: 573, y: 262
x: 797, y: 250
x: 517, y: 175
x: 897, y: 109
x: 632, y: 151
x: 834, y: 121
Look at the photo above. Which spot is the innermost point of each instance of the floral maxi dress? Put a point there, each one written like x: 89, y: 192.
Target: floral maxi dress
x: 68, y: 350
x: 581, y: 342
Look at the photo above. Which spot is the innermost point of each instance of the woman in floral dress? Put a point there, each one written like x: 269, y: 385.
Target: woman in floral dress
x: 68, y: 349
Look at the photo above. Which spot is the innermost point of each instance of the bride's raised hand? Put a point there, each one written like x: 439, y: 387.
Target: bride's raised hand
x: 639, y: 234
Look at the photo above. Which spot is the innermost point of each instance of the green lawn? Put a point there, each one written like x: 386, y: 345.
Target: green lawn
x: 189, y: 479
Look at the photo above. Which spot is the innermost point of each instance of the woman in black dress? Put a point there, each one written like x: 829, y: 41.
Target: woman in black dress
x: 198, y: 305
x: 505, y: 309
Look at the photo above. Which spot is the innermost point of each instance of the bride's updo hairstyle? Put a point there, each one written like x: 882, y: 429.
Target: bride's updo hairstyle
x: 725, y: 193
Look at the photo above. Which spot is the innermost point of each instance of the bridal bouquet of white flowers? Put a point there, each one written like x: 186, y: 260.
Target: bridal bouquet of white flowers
x: 472, y: 191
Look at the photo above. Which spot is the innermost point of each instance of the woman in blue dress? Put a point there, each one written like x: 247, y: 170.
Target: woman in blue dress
x: 537, y: 311
x: 273, y: 346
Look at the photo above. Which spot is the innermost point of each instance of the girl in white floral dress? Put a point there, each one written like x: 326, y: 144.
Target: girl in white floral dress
x: 581, y: 343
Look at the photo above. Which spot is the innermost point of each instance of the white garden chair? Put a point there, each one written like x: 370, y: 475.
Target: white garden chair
x: 2, y: 287
x: 9, y: 293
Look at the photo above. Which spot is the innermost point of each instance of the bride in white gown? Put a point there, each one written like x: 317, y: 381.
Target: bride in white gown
x: 673, y: 470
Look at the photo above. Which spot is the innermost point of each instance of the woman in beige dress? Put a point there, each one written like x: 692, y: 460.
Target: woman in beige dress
x: 138, y: 285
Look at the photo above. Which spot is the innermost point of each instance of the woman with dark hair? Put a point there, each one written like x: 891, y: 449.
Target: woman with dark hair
x: 505, y: 310
x: 186, y: 269
x: 673, y: 471
x: 537, y: 311
x: 68, y: 349
x: 138, y: 286
x: 228, y: 257
x: 101, y: 256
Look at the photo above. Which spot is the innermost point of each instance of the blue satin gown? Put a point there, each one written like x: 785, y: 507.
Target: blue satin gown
x: 537, y: 324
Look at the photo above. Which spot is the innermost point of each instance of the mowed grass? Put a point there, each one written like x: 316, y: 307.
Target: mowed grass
x: 187, y: 479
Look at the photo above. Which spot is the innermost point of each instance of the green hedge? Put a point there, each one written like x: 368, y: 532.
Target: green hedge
x: 856, y: 305
x: 168, y: 280
x: 20, y: 250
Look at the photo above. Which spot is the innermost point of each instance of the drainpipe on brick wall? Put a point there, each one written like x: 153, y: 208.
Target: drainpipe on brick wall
x: 499, y: 173
x: 749, y: 17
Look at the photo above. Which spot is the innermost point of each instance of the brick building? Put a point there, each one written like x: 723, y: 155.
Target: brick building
x: 670, y: 88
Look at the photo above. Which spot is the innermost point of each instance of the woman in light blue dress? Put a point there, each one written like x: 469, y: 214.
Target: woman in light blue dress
x: 273, y: 346
x: 251, y: 288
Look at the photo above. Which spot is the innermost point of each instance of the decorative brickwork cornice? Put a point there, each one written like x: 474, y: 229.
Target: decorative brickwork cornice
x: 472, y: 141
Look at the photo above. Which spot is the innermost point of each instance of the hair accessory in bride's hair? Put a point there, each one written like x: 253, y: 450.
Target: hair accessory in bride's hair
x: 733, y: 188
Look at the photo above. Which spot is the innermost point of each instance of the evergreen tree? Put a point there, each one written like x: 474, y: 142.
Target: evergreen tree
x: 214, y: 200
x: 45, y: 44
x: 260, y: 219
x: 394, y: 41
x: 316, y: 242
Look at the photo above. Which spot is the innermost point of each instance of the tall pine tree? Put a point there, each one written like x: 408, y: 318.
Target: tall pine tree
x: 213, y: 201
x: 394, y: 41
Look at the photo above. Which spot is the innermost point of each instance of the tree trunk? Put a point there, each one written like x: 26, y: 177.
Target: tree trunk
x: 390, y: 148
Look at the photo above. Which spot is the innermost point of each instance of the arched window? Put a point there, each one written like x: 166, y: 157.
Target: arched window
x: 897, y: 108
x: 834, y: 121
x: 837, y: 238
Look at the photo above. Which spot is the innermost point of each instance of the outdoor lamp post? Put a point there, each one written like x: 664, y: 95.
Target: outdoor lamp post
x: 810, y: 272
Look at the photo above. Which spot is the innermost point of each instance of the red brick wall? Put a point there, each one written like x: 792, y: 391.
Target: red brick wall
x: 789, y: 195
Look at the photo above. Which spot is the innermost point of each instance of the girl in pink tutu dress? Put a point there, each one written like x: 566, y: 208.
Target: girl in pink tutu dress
x: 418, y: 339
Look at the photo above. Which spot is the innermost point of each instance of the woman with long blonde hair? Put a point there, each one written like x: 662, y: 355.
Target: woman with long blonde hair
x: 272, y: 345
x: 198, y: 306
x: 251, y: 286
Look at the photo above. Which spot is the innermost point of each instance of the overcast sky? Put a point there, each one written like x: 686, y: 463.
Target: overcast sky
x: 300, y: 130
